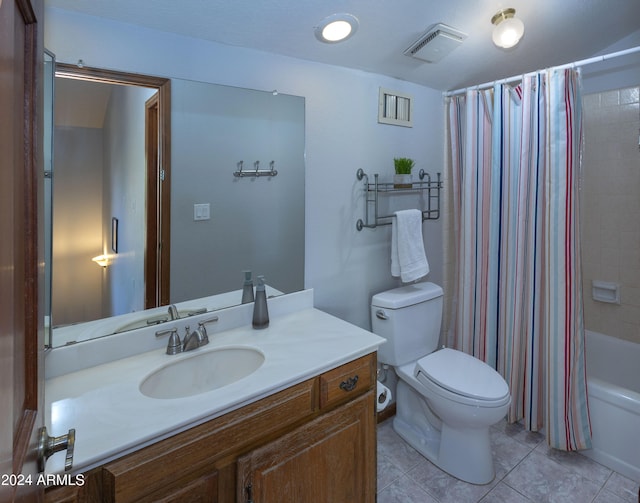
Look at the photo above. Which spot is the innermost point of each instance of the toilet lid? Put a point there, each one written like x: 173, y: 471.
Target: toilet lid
x: 463, y: 374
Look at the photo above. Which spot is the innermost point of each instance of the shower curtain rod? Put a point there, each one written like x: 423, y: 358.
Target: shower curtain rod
x: 583, y: 62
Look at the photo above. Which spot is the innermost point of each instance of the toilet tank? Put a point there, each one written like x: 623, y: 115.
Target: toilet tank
x: 409, y: 318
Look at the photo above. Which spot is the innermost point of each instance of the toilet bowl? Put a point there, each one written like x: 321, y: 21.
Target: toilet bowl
x: 446, y: 400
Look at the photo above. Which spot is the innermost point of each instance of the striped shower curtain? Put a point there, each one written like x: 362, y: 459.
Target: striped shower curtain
x: 515, y: 160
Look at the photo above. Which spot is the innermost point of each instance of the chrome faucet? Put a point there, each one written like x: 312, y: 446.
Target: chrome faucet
x: 192, y: 340
x: 173, y: 312
x: 198, y: 337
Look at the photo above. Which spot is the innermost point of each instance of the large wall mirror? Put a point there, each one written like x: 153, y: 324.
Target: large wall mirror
x: 109, y: 267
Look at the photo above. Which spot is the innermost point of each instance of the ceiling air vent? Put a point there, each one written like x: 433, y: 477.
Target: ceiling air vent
x: 436, y: 43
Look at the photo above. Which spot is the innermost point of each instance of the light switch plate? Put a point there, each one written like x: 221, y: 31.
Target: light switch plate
x: 201, y: 211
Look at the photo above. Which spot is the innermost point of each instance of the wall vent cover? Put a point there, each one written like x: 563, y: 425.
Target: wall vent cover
x: 436, y: 43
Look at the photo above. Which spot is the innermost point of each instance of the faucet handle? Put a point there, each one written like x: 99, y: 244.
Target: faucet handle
x: 174, y: 346
x: 203, y: 337
x: 160, y: 333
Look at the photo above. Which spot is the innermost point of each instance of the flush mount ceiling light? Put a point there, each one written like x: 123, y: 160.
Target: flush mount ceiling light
x: 508, y: 28
x: 336, y: 28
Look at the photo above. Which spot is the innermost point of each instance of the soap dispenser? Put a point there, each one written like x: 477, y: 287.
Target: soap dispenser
x: 247, y: 288
x: 260, y: 312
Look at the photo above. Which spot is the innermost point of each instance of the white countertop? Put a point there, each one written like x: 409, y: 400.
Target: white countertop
x: 112, y: 417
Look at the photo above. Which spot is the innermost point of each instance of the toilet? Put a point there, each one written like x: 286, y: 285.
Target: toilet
x: 446, y: 400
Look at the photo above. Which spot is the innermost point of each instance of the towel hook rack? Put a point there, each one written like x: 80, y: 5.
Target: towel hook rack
x: 256, y: 171
x: 373, y: 190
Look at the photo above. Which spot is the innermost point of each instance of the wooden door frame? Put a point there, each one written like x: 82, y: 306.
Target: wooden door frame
x: 158, y: 200
x: 152, y: 265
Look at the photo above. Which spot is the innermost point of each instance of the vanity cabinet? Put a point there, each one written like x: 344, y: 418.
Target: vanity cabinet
x: 329, y: 459
x: 314, y: 442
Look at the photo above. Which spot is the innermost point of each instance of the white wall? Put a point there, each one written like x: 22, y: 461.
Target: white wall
x: 124, y: 189
x: 212, y: 128
x: 78, y: 237
x: 99, y: 174
x: 616, y: 73
x: 344, y: 266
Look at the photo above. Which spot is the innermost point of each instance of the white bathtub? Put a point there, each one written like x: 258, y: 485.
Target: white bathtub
x: 613, y: 380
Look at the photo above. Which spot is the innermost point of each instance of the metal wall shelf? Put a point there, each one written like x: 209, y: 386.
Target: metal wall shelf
x: 373, y: 190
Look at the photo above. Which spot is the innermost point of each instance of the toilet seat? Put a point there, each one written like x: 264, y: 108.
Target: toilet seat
x: 463, y: 375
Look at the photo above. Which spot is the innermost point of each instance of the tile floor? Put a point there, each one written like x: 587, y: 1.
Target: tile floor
x: 527, y: 471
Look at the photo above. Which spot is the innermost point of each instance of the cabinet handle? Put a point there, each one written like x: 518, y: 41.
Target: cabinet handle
x: 49, y: 445
x: 249, y: 490
x: 349, y: 384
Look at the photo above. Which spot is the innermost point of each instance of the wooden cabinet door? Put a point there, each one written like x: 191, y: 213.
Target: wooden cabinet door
x: 331, y: 459
x: 201, y: 490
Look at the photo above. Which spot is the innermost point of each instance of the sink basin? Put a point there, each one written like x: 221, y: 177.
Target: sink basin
x: 202, y: 372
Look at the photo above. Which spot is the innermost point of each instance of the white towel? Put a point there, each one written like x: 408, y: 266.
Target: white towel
x: 408, y: 259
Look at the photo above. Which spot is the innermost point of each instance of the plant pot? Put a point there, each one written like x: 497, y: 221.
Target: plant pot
x: 402, y: 181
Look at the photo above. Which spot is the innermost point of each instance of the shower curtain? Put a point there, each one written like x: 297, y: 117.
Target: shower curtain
x: 515, y: 160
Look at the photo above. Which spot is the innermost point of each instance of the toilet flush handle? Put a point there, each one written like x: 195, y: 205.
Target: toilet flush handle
x: 380, y: 314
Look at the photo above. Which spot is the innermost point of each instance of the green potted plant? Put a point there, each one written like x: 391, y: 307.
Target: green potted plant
x: 402, y: 178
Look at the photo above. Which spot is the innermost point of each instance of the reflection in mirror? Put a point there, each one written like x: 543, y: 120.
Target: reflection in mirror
x: 254, y: 223
x: 99, y: 158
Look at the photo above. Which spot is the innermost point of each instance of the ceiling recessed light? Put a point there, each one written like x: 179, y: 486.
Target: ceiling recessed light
x: 336, y: 28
